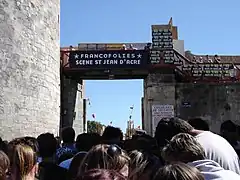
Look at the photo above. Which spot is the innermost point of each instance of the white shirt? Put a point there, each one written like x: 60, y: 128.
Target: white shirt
x: 213, y: 171
x: 219, y: 150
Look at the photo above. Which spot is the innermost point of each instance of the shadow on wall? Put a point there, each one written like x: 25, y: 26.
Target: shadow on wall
x: 68, y: 102
x: 215, y: 103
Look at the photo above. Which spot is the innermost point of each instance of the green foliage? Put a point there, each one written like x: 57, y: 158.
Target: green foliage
x: 94, y: 127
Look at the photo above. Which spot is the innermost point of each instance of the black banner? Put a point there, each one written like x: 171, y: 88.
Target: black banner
x: 109, y: 59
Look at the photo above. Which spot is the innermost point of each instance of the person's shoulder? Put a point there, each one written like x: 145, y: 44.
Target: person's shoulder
x: 51, y: 167
x: 50, y: 171
x: 65, y: 164
x: 211, y: 138
x: 231, y: 175
x: 209, y: 134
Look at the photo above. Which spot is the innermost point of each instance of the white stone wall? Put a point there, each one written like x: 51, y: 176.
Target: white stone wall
x: 178, y: 45
x: 159, y: 89
x: 29, y: 67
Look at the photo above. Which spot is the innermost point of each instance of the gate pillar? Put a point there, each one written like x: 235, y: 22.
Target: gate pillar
x: 159, y: 91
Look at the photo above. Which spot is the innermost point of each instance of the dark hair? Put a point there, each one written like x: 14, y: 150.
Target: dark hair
x: 32, y: 141
x: 58, y: 139
x: 179, y: 171
x: 29, y: 141
x: 112, y: 133
x: 101, y: 174
x: 68, y: 135
x: 86, y: 141
x: 228, y: 126
x: 47, y: 145
x: 169, y: 127
x: 145, y: 143
x: 199, y: 124
x: 4, y: 147
x: 4, y: 165
x: 74, y: 166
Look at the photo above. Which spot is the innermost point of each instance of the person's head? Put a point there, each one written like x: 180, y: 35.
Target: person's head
x: 169, y: 127
x: 228, y: 130
x: 142, y: 165
x: 112, y: 135
x: 75, y: 163
x: 105, y: 157
x: 179, y: 171
x: 145, y: 143
x: 4, y: 146
x: 4, y: 165
x: 199, y: 124
x: 23, y: 160
x: 183, y: 148
x: 47, y: 145
x: 32, y: 141
x: 86, y: 141
x: 68, y: 135
x: 101, y: 174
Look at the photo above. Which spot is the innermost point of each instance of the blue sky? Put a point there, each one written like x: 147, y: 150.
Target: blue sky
x: 206, y: 26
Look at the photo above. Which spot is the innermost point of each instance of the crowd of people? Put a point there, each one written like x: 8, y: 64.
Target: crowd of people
x: 180, y: 150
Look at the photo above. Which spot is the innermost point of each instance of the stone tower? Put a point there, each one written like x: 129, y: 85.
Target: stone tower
x: 29, y: 67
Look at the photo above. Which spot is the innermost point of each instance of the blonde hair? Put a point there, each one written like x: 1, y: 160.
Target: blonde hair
x: 23, y: 159
x: 179, y: 171
x: 137, y: 163
x: 99, y: 158
x: 184, y: 148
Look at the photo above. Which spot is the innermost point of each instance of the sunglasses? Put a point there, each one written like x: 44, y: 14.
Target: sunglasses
x: 114, y: 150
